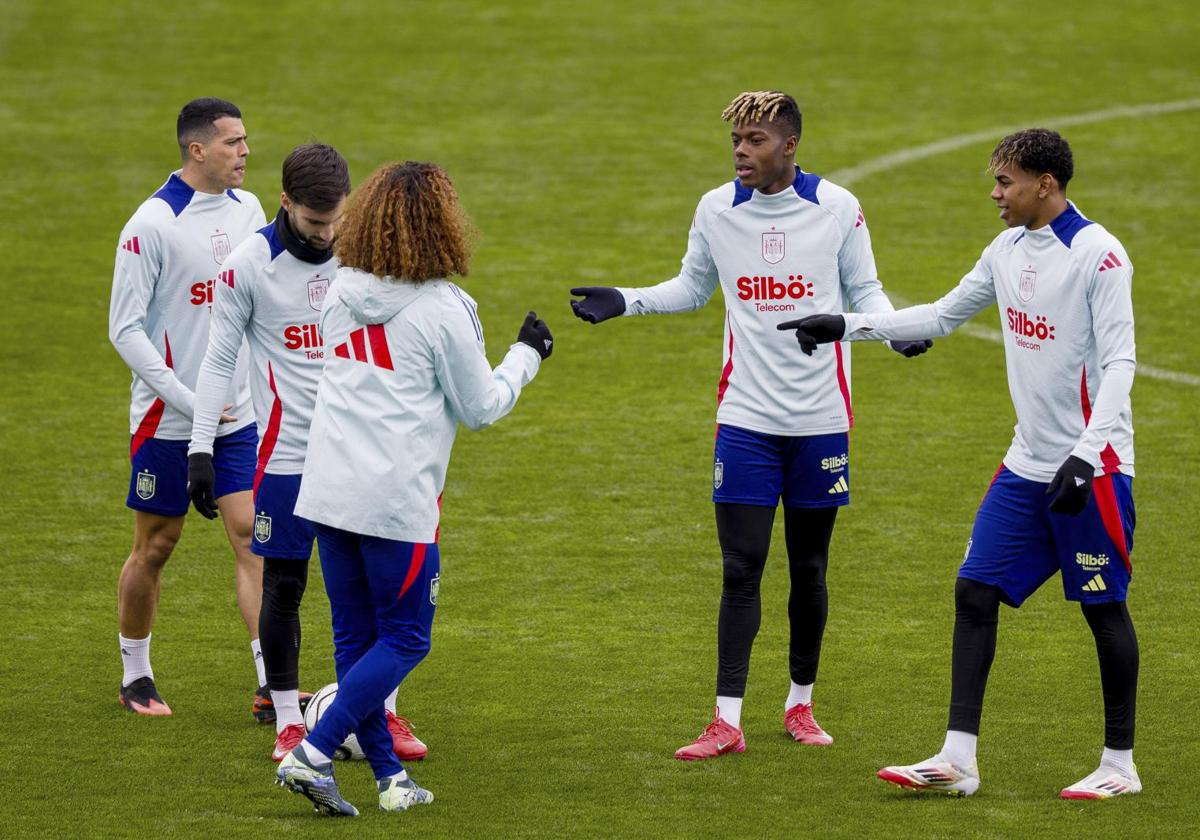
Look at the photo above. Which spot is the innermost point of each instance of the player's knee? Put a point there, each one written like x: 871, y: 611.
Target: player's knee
x: 976, y: 602
x: 155, y: 549
x: 740, y: 571
x: 284, y: 582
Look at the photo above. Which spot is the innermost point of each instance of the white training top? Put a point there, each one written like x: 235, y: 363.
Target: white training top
x: 168, y: 259
x: 405, y: 364
x: 274, y: 299
x: 802, y: 251
x: 1066, y: 313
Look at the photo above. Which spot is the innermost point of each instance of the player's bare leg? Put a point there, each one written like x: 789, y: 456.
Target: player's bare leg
x: 237, y: 513
x: 154, y: 538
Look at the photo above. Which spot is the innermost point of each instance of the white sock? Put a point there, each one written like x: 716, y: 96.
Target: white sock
x: 287, y: 708
x: 959, y: 748
x: 314, y: 754
x: 390, y: 702
x: 1120, y: 759
x: 798, y: 694
x: 256, y: 649
x: 135, y: 657
x: 730, y: 710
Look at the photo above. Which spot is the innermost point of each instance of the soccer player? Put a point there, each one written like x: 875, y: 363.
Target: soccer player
x: 407, y: 365
x: 168, y: 259
x: 1062, y: 499
x: 776, y: 239
x: 271, y: 293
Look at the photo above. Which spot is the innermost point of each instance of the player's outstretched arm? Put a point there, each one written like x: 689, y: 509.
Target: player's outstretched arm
x: 599, y: 303
x: 815, y: 329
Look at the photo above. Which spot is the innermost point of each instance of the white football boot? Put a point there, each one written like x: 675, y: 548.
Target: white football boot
x: 1104, y: 782
x: 396, y: 795
x: 933, y: 775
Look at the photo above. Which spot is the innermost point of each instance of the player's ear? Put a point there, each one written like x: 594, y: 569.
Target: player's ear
x: 196, y: 151
x: 1047, y: 184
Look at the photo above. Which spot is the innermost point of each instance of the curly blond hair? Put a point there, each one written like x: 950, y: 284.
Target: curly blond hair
x: 405, y: 222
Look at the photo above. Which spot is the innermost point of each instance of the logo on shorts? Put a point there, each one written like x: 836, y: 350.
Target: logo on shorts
x: 835, y: 464
x: 967, y: 553
x: 146, y: 482
x: 1028, y: 285
x: 220, y: 247
x: 718, y: 475
x: 1096, y: 584
x: 840, y: 486
x: 262, y: 528
x: 773, y: 246
x: 1091, y: 561
x: 316, y: 292
x: 434, y: 586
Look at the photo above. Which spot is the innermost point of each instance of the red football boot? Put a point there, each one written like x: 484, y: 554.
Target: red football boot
x: 717, y: 739
x: 406, y: 745
x: 799, y: 722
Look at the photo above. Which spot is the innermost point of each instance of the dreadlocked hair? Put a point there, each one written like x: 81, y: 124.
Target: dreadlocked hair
x: 1036, y: 150
x: 405, y: 222
x: 771, y: 105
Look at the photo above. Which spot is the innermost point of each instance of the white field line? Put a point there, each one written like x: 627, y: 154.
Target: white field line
x: 850, y: 175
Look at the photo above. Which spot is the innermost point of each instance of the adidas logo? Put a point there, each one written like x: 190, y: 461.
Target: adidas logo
x: 861, y: 219
x: 132, y: 246
x: 357, y: 344
x: 841, y: 486
x: 227, y: 277
x: 1110, y: 261
x: 1096, y: 584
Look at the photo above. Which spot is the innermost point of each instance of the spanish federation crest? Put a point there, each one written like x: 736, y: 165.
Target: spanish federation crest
x: 262, y: 528
x: 220, y: 247
x: 317, y: 288
x: 773, y: 246
x: 434, y: 586
x: 718, y: 475
x: 145, y: 485
x: 1028, y: 285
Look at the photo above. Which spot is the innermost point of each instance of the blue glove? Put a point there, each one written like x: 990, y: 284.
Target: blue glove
x: 1071, y: 487
x: 536, y: 334
x: 909, y: 349
x: 599, y: 303
x: 815, y: 329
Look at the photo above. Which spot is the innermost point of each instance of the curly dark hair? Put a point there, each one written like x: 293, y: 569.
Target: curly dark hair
x: 405, y: 222
x: 1037, y: 151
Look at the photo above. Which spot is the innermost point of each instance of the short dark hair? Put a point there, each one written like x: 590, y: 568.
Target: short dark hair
x: 1037, y: 151
x: 754, y: 105
x: 195, y: 123
x: 316, y: 176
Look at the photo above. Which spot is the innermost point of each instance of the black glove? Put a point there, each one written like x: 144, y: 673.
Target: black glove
x: 1071, y: 487
x: 200, y: 481
x: 599, y: 303
x: 909, y: 349
x: 536, y: 334
x: 815, y: 329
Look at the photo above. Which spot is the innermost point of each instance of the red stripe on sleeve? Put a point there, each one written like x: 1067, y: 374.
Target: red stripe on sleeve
x: 414, y: 568
x: 379, y: 346
x: 843, y: 385
x: 360, y: 345
x: 342, y: 351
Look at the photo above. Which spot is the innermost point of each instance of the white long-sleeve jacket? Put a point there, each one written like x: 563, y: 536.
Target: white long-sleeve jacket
x: 168, y: 260
x: 802, y: 251
x: 1066, y: 314
x: 404, y: 365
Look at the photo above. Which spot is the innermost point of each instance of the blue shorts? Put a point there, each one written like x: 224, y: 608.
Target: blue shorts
x: 278, y: 532
x: 752, y: 468
x: 158, y: 478
x: 1018, y: 543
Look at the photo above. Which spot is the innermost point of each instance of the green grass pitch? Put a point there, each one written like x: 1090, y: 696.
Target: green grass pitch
x: 574, y: 647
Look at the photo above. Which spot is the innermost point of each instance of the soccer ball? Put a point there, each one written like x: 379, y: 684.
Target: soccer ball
x: 317, y: 706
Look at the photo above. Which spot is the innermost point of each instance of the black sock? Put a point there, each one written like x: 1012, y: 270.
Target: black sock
x: 744, y: 532
x: 1117, y: 648
x: 279, y: 621
x: 808, y: 531
x: 976, y: 615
